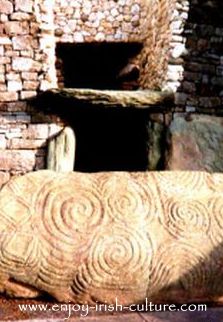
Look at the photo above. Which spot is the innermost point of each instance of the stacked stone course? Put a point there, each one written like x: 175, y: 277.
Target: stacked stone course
x: 196, y: 63
x: 87, y: 21
x: 185, y: 55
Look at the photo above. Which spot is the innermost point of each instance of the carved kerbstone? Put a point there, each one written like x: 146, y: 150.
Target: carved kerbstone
x: 97, y: 237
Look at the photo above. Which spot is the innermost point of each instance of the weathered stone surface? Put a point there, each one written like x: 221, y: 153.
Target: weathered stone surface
x: 8, y: 96
x: 2, y: 141
x: 25, y: 64
x: 111, y: 98
x: 98, y: 237
x: 27, y: 94
x: 61, y: 151
x: 16, y: 28
x: 14, y: 85
x: 15, y: 160
x: 155, y: 149
x: 196, y: 143
x: 4, y: 177
x: 22, y: 42
x: 36, y: 131
x: 6, y: 7
x: 24, y: 5
x: 17, y: 143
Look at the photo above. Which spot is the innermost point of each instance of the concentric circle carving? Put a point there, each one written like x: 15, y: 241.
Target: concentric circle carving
x: 117, y: 257
x: 185, y: 217
x: 216, y: 210
x: 69, y: 208
x: 127, y: 198
x: 181, y: 182
x: 181, y: 265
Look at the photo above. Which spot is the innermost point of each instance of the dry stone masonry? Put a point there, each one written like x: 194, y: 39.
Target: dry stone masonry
x: 83, y: 21
x: 181, y: 51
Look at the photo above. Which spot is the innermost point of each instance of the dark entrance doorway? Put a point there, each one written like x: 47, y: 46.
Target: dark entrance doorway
x: 99, y: 65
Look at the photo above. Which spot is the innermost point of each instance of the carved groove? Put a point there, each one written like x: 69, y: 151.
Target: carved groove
x: 105, y: 235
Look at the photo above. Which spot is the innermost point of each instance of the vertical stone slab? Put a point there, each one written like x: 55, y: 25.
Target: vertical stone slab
x: 155, y: 149
x: 61, y: 151
x: 196, y: 143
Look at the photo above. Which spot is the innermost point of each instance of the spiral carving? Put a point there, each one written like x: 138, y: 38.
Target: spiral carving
x: 215, y: 182
x: 116, y: 256
x: 86, y: 237
x: 195, y: 270
x: 216, y: 209
x: 68, y: 210
x: 126, y: 196
x: 185, y: 217
x: 172, y: 184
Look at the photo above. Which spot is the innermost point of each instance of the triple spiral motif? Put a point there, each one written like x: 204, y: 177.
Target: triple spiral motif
x: 112, y: 232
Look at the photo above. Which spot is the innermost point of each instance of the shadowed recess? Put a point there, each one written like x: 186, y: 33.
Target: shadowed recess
x: 99, y: 65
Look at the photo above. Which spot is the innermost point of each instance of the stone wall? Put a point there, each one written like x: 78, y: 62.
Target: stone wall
x: 194, y: 140
x: 196, y: 61
x: 24, y: 135
x: 26, y: 61
x: 182, y: 51
x: 87, y: 21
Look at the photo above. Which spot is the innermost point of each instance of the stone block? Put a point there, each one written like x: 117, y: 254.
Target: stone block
x: 24, y: 5
x: 23, y: 64
x: 36, y: 131
x: 6, y: 7
x: 155, y: 139
x: 22, y: 117
x: 4, y: 40
x: 8, y: 96
x: 16, y: 28
x: 7, y: 118
x: 22, y: 42
x: 30, y: 85
x: 2, y: 145
x: 14, y: 86
x: 113, y: 236
x: 4, y: 60
x: 30, y: 76
x: 23, y: 144
x: 2, y: 78
x: 3, y: 87
x: 27, y: 94
x: 21, y: 16
x: 196, y: 143
x: 1, y: 50
x: 16, y: 107
x: 14, y: 160
x: 12, y: 76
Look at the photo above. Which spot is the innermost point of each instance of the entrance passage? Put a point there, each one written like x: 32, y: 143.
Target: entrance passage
x: 99, y: 65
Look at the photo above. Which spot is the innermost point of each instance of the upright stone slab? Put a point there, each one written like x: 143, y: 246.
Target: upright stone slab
x: 61, y: 151
x: 196, y: 143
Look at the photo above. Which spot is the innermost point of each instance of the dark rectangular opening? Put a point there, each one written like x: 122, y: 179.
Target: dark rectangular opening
x: 110, y: 140
x: 98, y: 65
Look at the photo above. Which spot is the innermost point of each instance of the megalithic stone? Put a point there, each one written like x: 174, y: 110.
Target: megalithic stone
x: 61, y: 151
x: 4, y: 177
x: 114, y: 236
